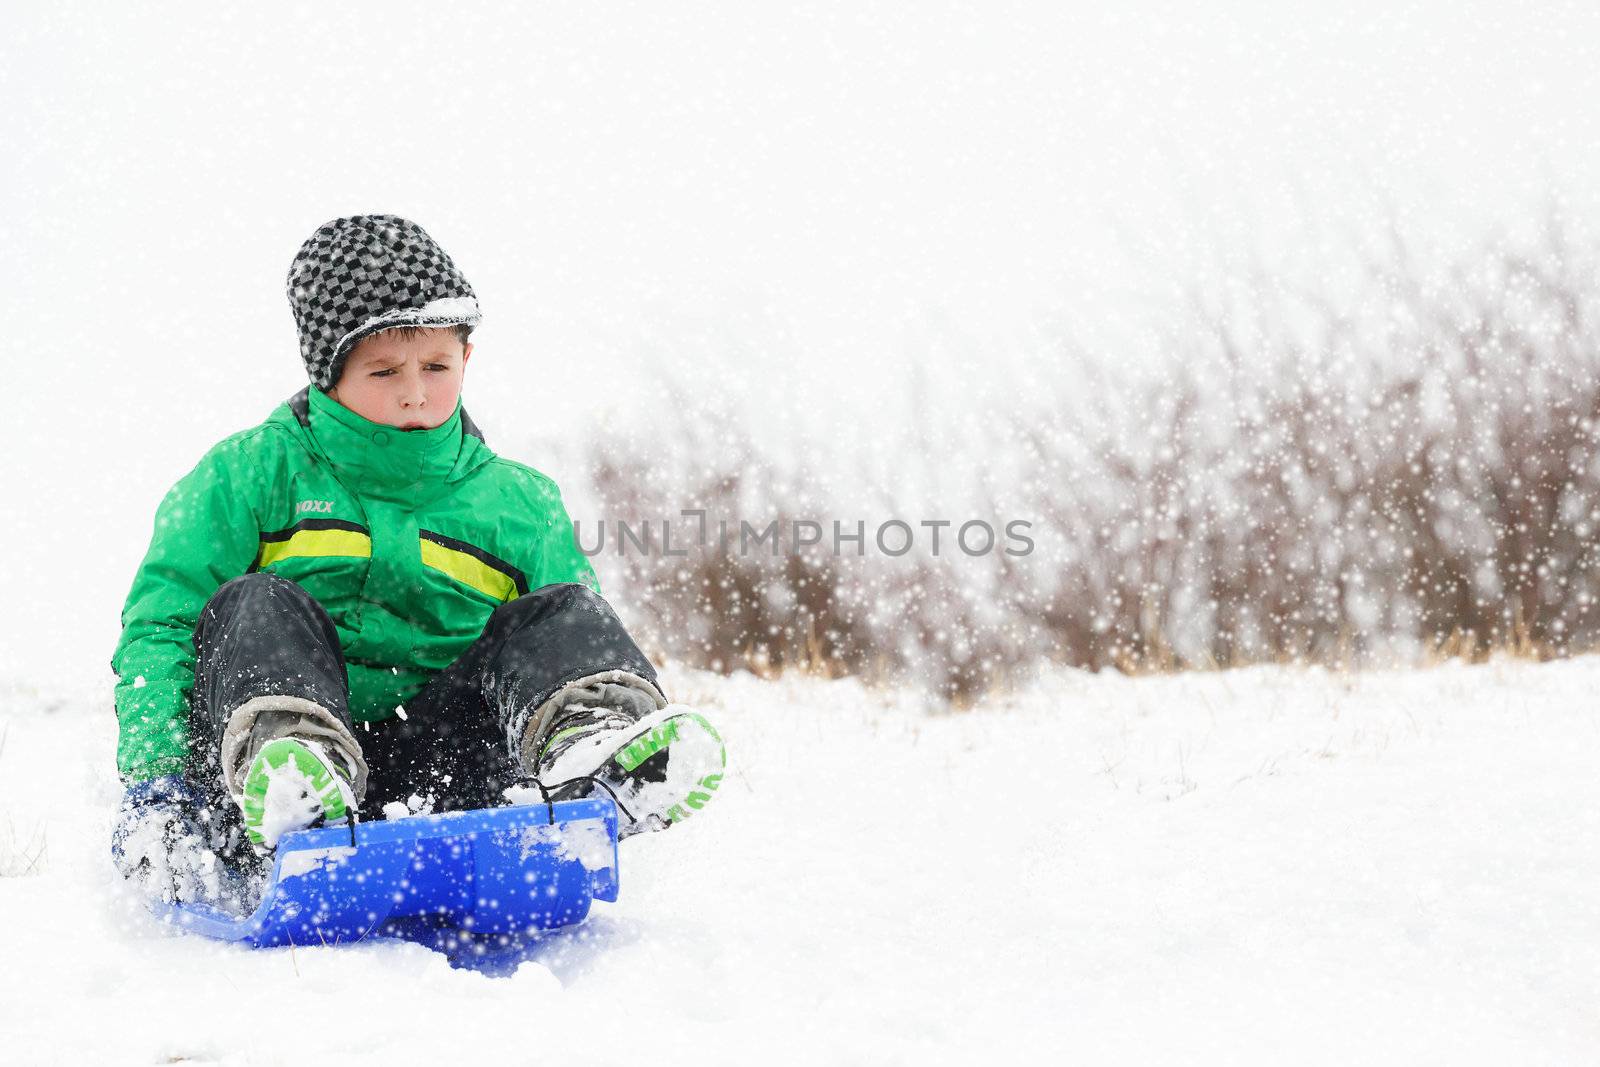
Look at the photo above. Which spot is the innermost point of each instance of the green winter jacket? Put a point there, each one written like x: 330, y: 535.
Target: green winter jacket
x: 408, y: 539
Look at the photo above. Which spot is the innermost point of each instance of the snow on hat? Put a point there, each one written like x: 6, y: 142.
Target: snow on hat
x: 365, y: 273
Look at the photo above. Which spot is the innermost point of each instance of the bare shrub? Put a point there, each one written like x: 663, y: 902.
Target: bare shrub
x: 1414, y: 472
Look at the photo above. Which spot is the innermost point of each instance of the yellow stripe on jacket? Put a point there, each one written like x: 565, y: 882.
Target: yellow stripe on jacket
x: 315, y: 543
x: 469, y: 571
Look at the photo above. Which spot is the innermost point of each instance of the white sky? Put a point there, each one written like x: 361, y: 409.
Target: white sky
x: 789, y: 204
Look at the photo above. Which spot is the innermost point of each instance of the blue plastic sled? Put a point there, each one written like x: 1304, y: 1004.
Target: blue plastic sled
x: 450, y: 880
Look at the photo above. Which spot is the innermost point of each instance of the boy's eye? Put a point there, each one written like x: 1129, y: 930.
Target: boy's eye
x: 387, y: 371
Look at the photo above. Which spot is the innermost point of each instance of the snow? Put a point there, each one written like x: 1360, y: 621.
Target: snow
x: 465, y: 306
x: 415, y: 804
x: 1265, y: 865
x: 303, y: 862
x: 457, y: 308
x: 586, y: 841
x: 291, y: 801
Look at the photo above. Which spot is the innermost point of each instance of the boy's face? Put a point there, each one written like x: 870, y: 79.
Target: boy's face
x: 408, y: 382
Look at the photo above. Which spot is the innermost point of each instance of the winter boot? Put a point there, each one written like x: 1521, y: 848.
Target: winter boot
x: 659, y: 769
x: 292, y: 784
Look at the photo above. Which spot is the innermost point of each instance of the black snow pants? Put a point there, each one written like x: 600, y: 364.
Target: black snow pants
x: 261, y: 635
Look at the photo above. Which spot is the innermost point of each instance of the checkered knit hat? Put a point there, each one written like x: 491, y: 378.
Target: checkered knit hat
x: 358, y: 275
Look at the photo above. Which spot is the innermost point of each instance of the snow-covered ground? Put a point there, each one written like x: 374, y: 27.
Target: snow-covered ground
x: 1267, y: 865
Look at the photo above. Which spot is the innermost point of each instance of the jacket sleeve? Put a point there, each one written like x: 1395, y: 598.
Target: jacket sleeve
x: 556, y: 555
x: 205, y: 533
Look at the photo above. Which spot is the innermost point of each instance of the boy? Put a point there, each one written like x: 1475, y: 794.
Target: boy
x: 357, y: 608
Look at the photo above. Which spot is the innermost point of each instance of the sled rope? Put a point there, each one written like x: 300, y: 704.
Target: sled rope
x: 592, y: 780
x: 549, y: 805
x: 545, y: 793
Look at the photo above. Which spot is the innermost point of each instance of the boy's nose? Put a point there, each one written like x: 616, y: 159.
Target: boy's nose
x: 413, y: 395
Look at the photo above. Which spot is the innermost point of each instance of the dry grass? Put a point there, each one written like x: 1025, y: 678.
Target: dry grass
x: 20, y: 855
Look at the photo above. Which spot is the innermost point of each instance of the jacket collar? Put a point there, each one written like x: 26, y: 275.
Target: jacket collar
x: 404, y: 466
x: 300, y: 404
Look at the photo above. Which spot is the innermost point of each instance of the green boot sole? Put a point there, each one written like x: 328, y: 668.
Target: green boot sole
x: 292, y: 784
